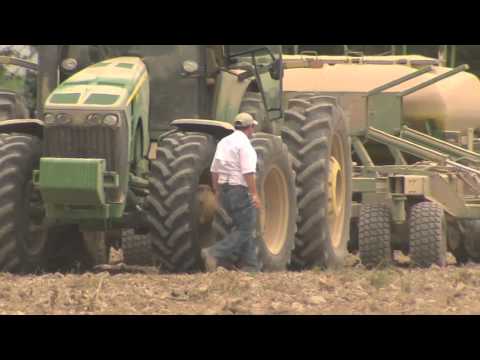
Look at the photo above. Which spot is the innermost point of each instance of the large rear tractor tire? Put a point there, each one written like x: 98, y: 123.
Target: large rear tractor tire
x: 428, y: 235
x: 23, y: 234
x: 375, y: 236
x: 252, y: 104
x: 316, y: 134
x: 178, y: 210
x: 276, y: 221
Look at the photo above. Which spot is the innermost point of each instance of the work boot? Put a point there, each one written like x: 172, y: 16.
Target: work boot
x: 209, y: 261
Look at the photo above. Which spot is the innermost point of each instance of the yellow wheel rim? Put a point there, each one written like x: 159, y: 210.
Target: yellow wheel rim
x: 336, y: 194
x: 274, y: 212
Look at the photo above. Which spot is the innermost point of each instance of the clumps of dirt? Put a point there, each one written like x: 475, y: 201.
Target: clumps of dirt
x: 352, y: 290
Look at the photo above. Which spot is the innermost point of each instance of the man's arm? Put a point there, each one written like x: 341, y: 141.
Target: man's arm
x: 214, y: 170
x: 250, y: 179
x: 215, y: 177
x: 248, y: 164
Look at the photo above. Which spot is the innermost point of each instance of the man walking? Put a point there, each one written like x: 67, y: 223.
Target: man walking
x: 233, y: 179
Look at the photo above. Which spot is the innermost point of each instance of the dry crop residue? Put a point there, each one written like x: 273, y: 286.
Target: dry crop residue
x: 352, y: 290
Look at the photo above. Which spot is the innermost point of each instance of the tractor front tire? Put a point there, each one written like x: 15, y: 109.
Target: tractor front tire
x: 137, y: 249
x: 178, y: 219
x: 23, y: 236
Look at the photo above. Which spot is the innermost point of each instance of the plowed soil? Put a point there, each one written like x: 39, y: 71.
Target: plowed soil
x: 352, y: 290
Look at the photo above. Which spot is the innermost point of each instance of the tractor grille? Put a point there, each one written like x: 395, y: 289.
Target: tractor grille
x: 94, y: 142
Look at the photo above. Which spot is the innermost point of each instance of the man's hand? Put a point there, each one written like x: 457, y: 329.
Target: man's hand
x: 252, y: 188
x: 256, y: 201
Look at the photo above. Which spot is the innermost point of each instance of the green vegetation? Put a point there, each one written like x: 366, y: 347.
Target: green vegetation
x: 14, y: 84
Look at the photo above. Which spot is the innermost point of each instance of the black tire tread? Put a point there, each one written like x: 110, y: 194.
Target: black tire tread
x: 374, y: 236
x: 181, y: 157
x: 428, y: 245
x: 307, y: 129
x: 137, y: 249
x: 252, y: 103
x: 19, y: 155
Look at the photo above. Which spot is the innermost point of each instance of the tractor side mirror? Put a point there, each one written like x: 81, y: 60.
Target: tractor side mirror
x: 276, y: 70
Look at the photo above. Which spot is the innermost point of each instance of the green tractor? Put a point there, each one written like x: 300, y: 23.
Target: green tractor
x: 120, y: 156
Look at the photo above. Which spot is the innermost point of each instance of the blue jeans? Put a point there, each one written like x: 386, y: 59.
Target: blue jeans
x: 240, y: 246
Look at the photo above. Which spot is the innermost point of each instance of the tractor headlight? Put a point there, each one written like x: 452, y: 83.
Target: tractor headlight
x: 110, y: 120
x: 69, y: 64
x: 190, y: 66
x: 63, y: 119
x: 94, y: 119
x: 49, y: 119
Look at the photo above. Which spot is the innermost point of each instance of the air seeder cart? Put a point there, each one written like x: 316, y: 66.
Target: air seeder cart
x: 413, y: 128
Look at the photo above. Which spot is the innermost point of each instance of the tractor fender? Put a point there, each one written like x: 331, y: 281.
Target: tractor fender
x: 25, y: 126
x: 217, y: 129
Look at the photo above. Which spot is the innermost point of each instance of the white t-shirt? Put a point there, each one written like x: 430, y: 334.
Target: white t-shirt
x: 234, y: 157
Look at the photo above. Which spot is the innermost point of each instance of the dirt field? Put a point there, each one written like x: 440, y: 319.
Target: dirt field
x: 353, y: 290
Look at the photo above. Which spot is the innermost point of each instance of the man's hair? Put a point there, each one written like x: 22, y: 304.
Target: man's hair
x: 239, y: 127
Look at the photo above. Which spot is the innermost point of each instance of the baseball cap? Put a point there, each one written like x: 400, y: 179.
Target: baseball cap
x: 244, y: 120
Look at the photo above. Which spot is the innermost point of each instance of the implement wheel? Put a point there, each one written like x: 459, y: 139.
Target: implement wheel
x: 470, y: 242
x: 428, y: 235
x: 316, y: 134
x: 276, y: 221
x: 374, y: 236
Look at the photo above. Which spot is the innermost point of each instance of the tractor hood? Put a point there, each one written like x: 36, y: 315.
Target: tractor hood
x: 109, y: 84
